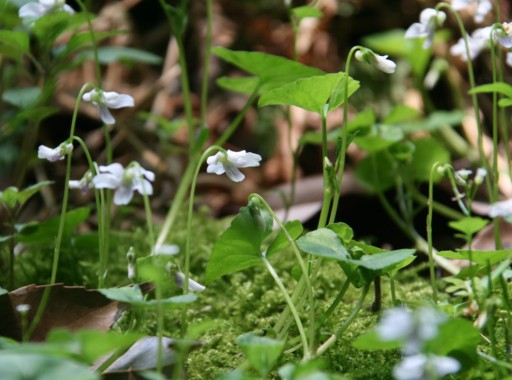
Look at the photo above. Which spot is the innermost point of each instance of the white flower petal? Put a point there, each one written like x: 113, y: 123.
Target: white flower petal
x: 427, y: 14
x: 123, y: 195
x: 506, y: 42
x: 105, y: 115
x: 215, y: 167
x: 115, y: 169
x: 503, y: 208
x: 233, y: 173
x: 416, y: 30
x: 410, y: 368
x: 67, y: 8
x: 395, y: 324
x: 193, y: 286
x: 143, y: 187
x: 384, y: 64
x: 243, y: 159
x: 49, y: 154
x: 32, y: 11
x: 106, y: 181
x: 114, y: 100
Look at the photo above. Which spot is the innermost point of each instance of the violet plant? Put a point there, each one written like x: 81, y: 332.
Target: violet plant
x: 433, y: 344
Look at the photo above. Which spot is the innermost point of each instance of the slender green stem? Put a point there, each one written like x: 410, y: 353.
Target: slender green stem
x: 335, y: 303
x: 327, y: 182
x: 203, y: 157
x: 495, y: 168
x: 62, y: 221
x: 433, y: 284
x: 206, y: 63
x: 293, y: 310
x: 438, y: 207
x: 99, y: 196
x: 300, y: 260
x: 347, y: 322
x: 93, y: 42
x: 160, y: 327
x: 474, y: 97
x: 341, y: 159
x: 392, y: 289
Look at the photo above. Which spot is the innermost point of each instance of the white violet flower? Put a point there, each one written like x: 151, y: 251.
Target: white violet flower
x: 229, y: 162
x: 124, y: 181
x: 412, y: 328
x: 475, y: 43
x: 32, y: 11
x: 56, y: 154
x: 509, y: 59
x: 462, y: 175
x: 430, y: 20
x: 482, y: 7
x: 425, y: 367
x: 84, y: 184
x: 108, y: 99
x: 379, y: 61
x: 502, y: 208
x: 502, y: 33
x: 193, y: 286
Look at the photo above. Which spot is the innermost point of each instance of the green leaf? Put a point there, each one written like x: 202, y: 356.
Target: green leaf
x: 52, y: 25
x: 372, y: 341
x: 244, y: 85
x: 323, y: 242
x: 469, y: 225
x: 25, y: 194
x: 381, y: 261
x: 239, y: 247
x: 14, y: 44
x: 133, y: 296
x: 343, y: 230
x: 456, y: 338
x: 428, y: 151
x: 271, y: 70
x: 21, y: 97
x: 377, y: 171
x: 498, y: 87
x: 92, y: 344
x: 80, y: 40
x: 294, y: 229
x: 312, y: 94
x: 363, y: 119
x: 434, y: 121
x: 109, y: 54
x: 45, y: 232
x: 261, y: 352
x: 9, y: 197
x: 25, y: 365
x: 505, y: 102
x: 400, y: 114
x: 379, y: 137
x: 477, y: 256
x: 306, y: 11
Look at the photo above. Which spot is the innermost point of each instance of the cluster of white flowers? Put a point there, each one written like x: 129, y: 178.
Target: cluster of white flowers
x: 414, y: 329
x: 32, y: 11
x: 480, y: 39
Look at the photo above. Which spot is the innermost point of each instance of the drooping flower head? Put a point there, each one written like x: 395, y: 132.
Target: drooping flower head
x: 482, y: 7
x: 124, y: 181
x: 430, y: 20
x: 108, y: 99
x: 379, y: 61
x: 55, y: 154
x: 498, y: 32
x: 229, y: 162
x: 32, y: 11
x: 84, y: 183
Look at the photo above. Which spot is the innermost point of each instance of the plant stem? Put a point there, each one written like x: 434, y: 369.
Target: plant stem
x: 206, y: 63
x: 339, y: 167
x: 433, y: 284
x: 203, y: 157
x: 293, y: 310
x: 347, y: 322
x: 62, y: 221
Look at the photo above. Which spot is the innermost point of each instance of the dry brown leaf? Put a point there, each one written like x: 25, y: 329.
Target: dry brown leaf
x: 73, y: 307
